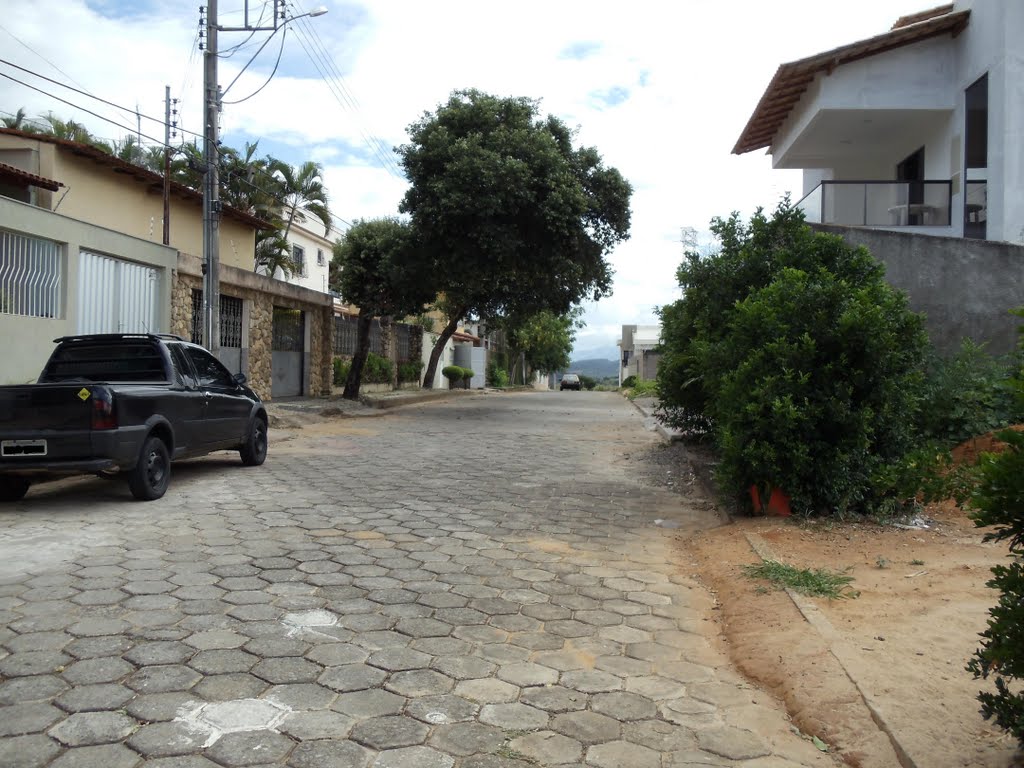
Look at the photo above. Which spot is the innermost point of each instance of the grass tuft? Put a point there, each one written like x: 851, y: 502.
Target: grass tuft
x: 814, y: 582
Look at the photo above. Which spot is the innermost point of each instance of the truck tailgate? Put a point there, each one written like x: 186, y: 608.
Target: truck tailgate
x: 60, y: 414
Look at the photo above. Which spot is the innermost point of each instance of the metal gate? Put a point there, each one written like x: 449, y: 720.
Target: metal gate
x: 117, y: 296
x: 230, y: 328
x: 286, y: 352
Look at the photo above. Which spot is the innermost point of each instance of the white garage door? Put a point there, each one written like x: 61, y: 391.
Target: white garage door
x: 117, y: 296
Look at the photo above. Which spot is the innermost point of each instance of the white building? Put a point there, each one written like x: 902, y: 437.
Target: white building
x: 920, y: 127
x: 311, y: 253
x: 637, y: 352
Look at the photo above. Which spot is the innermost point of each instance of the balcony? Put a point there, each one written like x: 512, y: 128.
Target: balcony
x: 879, y: 203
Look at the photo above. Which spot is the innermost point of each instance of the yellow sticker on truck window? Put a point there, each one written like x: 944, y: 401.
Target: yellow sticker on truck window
x: 83, y: 394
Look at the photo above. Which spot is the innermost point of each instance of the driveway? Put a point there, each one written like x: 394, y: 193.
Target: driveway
x: 480, y: 583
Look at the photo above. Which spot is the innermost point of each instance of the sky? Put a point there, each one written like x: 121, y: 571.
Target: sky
x: 661, y: 89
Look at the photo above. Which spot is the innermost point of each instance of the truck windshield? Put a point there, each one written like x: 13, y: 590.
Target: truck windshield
x: 105, y: 362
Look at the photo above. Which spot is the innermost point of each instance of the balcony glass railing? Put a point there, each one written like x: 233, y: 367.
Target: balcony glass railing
x: 976, y: 209
x: 879, y: 203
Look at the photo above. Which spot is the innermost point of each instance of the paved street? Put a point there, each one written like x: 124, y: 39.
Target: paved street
x: 478, y: 583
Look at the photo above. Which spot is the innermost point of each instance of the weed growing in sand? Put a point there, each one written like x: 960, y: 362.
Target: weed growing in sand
x: 814, y: 582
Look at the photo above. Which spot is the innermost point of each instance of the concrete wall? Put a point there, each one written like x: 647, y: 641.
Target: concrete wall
x: 260, y: 295
x: 26, y: 342
x: 966, y: 288
x: 310, y: 237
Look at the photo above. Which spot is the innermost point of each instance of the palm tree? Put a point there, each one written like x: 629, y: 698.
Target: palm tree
x: 302, y: 193
x: 131, y: 151
x: 273, y: 253
x: 17, y: 122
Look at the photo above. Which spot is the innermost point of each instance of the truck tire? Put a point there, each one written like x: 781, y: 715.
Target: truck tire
x: 254, y: 449
x: 13, y: 487
x: 152, y: 473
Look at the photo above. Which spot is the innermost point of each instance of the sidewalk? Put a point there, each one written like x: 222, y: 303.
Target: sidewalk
x: 368, y: 406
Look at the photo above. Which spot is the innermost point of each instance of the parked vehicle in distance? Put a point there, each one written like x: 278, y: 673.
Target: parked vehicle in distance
x: 570, y: 381
x: 126, y: 404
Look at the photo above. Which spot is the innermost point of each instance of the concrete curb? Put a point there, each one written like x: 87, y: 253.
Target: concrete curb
x: 395, y: 401
x: 841, y: 650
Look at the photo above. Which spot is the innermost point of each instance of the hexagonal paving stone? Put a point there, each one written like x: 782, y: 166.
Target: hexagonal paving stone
x: 329, y: 754
x: 370, y: 703
x: 287, y: 670
x: 554, y: 698
x: 413, y: 757
x: 438, y: 710
x: 166, y: 740
x: 399, y: 659
x: 487, y: 691
x: 94, y: 647
x: 249, y: 748
x: 514, y: 717
x: 222, y: 662
x: 467, y: 738
x: 316, y: 724
x: 91, y: 728
x: 624, y: 706
x: 419, y: 682
x: 272, y: 647
x: 149, y: 654
x: 95, y: 627
x: 351, y: 677
x: 622, y: 754
x: 337, y: 654
x: 95, y: 698
x: 653, y: 652
x: 21, y: 690
x: 655, y: 687
x: 38, y: 641
x: 300, y: 696
x: 160, y: 707
x: 528, y: 674
x: 238, y: 685
x: 548, y: 747
x: 160, y: 679
x: 423, y: 628
x: 389, y: 732
x: 22, y: 719
x: 33, y: 663
x: 587, y: 727
x: 660, y: 736
x: 591, y: 681
x: 732, y: 743
x: 33, y: 751
x: 463, y: 667
x: 212, y: 639
x: 107, y: 755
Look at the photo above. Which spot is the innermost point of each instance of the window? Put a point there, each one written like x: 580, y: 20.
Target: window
x: 107, y: 360
x: 321, y: 260
x: 31, y: 271
x: 299, y: 260
x: 976, y: 130
x: 209, y: 370
x: 183, y: 373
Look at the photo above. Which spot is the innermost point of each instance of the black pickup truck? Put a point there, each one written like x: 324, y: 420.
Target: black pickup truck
x: 125, y: 403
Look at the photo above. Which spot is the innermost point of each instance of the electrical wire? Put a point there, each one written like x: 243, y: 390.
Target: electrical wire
x: 86, y: 93
x: 240, y: 46
x: 321, y: 61
x: 284, y: 33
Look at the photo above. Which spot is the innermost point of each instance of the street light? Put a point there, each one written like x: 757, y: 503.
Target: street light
x: 211, y: 139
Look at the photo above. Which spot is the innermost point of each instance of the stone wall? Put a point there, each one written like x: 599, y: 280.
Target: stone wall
x: 261, y: 294
x: 965, y: 288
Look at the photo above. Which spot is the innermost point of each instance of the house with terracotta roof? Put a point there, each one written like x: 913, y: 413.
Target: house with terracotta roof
x: 81, y: 251
x: 916, y: 133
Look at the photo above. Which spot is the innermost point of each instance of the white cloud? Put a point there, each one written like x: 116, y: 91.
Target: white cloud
x: 690, y: 74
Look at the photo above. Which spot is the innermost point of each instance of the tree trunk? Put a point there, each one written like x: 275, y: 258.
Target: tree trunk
x: 355, y: 372
x: 389, y: 336
x: 435, y: 354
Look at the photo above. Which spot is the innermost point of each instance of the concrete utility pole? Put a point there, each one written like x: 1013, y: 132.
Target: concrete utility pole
x: 167, y: 165
x: 211, y: 155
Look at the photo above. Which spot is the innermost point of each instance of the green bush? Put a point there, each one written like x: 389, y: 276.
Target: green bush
x: 467, y: 374
x: 643, y: 388
x: 966, y: 395
x: 497, y: 376
x: 629, y: 382
x: 376, y: 370
x: 453, y: 373
x: 999, y: 502
x: 588, y: 382
x: 341, y: 367
x: 803, y: 361
x: 410, y: 372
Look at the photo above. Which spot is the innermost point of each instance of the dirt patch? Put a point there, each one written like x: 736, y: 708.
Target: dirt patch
x: 903, y: 642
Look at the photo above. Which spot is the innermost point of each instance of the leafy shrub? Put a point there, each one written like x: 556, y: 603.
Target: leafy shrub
x: 643, y: 388
x: 453, y: 373
x: 410, y: 372
x: 629, y: 382
x: 588, y: 382
x: 467, y: 374
x: 801, y: 358
x: 966, y: 395
x: 341, y: 367
x: 999, y: 502
x: 496, y: 375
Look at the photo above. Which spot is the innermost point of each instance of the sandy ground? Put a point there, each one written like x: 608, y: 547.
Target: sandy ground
x: 898, y: 648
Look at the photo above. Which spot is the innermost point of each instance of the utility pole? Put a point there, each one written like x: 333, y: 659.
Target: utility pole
x: 167, y: 165
x: 211, y: 185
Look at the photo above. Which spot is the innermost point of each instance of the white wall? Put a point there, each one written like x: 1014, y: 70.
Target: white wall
x: 316, y: 275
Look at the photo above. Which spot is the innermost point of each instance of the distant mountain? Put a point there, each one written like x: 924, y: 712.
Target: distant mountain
x: 596, y: 368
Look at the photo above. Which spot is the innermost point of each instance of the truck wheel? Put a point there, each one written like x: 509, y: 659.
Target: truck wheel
x: 149, y: 479
x: 254, y: 449
x: 13, y: 487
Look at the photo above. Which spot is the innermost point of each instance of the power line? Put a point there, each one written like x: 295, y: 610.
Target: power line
x: 85, y: 93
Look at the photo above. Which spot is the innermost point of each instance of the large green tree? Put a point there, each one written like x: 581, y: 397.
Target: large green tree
x: 381, y: 272
x: 513, y: 218
x: 543, y: 340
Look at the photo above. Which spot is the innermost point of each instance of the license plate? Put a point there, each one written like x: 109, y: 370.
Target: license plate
x: 20, y: 448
